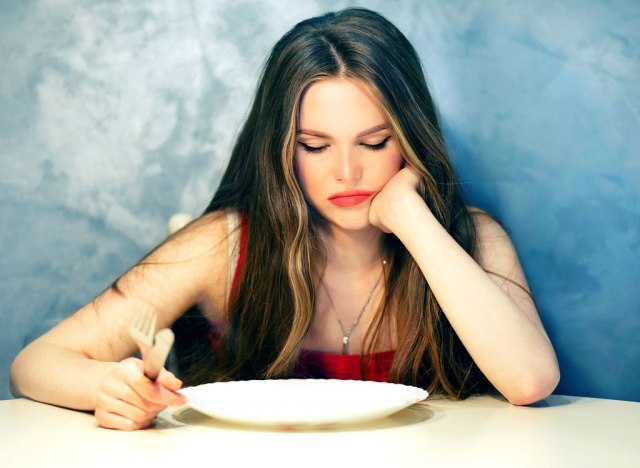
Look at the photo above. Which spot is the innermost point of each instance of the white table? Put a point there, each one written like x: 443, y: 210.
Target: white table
x: 482, y: 431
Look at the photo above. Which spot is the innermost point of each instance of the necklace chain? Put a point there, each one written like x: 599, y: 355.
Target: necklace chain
x: 346, y: 334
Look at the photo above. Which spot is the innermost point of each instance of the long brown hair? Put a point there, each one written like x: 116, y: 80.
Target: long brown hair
x: 271, y: 310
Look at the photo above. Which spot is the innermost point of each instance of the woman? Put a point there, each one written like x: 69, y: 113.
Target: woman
x: 337, y: 232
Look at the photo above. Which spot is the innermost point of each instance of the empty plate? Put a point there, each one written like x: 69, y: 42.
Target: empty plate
x: 301, y: 402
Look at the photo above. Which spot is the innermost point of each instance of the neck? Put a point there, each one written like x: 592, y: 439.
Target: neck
x: 353, y: 250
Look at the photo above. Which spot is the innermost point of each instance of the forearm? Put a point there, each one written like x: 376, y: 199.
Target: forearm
x: 511, y: 350
x: 51, y: 374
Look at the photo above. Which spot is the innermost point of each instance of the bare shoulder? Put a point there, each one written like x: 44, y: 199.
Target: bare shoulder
x: 496, y: 254
x: 495, y: 251
x: 488, y: 229
x: 194, y: 246
x: 201, y: 248
x: 208, y: 224
x: 186, y: 269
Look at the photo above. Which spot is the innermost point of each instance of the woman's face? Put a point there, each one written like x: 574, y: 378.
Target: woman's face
x: 345, y: 153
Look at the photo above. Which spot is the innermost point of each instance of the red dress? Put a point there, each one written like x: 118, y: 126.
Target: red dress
x: 320, y: 365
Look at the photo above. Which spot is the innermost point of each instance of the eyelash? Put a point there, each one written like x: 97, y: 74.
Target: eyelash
x: 319, y: 149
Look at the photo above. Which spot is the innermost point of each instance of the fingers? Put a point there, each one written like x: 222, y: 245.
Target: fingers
x: 114, y: 413
x: 128, y: 400
x: 375, y: 221
x: 169, y: 380
x: 394, y: 205
x: 132, y: 373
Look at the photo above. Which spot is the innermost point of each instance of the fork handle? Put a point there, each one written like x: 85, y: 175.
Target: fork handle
x: 157, y: 355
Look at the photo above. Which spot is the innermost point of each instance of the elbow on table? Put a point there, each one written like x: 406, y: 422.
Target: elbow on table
x: 14, y: 377
x: 534, y: 389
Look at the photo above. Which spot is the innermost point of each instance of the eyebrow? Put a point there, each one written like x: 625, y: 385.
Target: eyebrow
x: 369, y: 131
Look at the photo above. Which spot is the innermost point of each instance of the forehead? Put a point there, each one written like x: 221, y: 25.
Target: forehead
x: 339, y: 105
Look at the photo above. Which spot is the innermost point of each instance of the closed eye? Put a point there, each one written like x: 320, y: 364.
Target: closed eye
x: 313, y: 149
x: 319, y: 149
x: 378, y: 146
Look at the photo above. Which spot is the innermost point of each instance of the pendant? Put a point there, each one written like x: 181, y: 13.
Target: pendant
x: 345, y: 344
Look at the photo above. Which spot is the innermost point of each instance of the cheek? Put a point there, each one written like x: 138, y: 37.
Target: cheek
x: 394, y: 158
x: 391, y: 166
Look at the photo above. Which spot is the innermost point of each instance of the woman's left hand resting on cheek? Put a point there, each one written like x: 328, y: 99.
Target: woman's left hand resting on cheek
x: 486, y: 299
x: 399, y: 192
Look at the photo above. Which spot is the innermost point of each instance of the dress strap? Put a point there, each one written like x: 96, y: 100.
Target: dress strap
x: 233, y: 240
x: 238, y: 234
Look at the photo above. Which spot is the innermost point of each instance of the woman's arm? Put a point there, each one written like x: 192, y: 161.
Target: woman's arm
x: 78, y: 362
x: 496, y: 320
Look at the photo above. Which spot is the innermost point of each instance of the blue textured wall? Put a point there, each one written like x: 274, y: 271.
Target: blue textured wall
x: 114, y: 115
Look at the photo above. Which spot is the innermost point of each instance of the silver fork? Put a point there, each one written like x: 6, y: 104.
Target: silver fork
x: 154, y: 347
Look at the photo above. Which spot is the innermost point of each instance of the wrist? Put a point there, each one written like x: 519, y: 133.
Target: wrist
x: 405, y: 212
x: 101, y: 370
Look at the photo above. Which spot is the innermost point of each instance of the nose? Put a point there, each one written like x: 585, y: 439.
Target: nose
x: 347, y: 166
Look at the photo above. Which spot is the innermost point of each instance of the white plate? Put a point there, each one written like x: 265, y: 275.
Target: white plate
x: 301, y: 402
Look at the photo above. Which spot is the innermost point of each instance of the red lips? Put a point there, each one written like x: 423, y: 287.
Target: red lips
x: 350, y: 198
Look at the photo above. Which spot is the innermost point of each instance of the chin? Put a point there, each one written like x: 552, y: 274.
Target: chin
x: 356, y: 221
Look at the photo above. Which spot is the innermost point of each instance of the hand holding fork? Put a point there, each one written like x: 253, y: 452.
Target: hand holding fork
x: 133, y: 392
x: 154, y: 349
